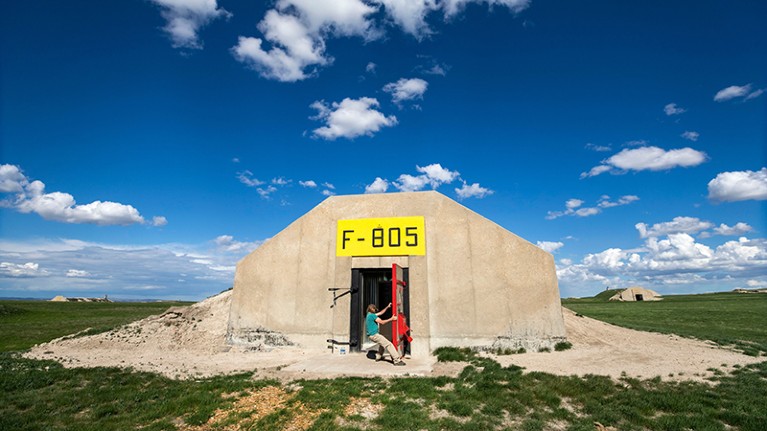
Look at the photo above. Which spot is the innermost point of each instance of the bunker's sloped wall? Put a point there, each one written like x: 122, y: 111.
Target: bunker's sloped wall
x: 478, y: 285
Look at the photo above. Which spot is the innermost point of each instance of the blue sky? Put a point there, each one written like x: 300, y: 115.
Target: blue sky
x: 147, y: 146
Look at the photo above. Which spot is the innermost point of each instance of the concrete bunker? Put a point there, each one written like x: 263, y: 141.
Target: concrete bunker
x: 635, y: 294
x: 468, y: 281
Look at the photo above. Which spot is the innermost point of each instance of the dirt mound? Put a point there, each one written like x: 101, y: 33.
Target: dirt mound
x: 605, y: 349
x: 186, y: 342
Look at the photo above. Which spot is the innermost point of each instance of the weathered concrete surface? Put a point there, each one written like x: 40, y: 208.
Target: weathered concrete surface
x: 477, y: 285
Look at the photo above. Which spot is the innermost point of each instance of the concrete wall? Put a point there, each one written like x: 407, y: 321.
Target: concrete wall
x: 477, y: 285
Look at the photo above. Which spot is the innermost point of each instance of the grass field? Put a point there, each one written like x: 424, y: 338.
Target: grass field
x: 727, y: 318
x: 42, y: 395
x: 26, y: 323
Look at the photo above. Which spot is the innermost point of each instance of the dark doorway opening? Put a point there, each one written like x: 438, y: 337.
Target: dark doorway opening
x: 639, y: 297
x: 371, y: 286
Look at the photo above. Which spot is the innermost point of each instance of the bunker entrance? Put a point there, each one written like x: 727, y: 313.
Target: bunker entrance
x: 372, y: 286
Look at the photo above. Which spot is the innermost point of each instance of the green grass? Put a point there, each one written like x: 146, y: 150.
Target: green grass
x: 42, y: 395
x: 726, y: 318
x: 26, y: 323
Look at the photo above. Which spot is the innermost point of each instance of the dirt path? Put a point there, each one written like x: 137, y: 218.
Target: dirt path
x: 190, y: 342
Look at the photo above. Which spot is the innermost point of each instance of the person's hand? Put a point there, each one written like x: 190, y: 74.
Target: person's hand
x: 388, y: 306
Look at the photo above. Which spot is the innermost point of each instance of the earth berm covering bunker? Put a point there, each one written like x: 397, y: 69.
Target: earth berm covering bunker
x: 190, y: 342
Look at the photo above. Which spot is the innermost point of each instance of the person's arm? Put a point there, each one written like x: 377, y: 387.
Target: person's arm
x: 384, y: 310
x: 381, y: 321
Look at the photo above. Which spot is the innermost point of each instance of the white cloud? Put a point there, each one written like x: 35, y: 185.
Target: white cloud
x: 78, y: 268
x: 738, y: 186
x: 691, y: 226
x: 736, y: 91
x: 688, y: 225
x: 328, y: 193
x: 246, y: 177
x: 227, y: 243
x: 573, y: 207
x: 756, y: 283
x: 410, y: 15
x: 472, y: 191
x: 453, y: 7
x: 673, y: 109
x: 29, y: 269
x: 265, y: 192
x: 186, y: 17
x: 309, y: 184
x: 280, y: 181
x: 11, y: 179
x: 371, y: 67
x: 438, y: 175
x: 379, y: 185
x: 550, y: 246
x: 604, y: 201
x: 406, y: 89
x: 77, y: 273
x: 648, y: 158
x: 691, y: 135
x: 433, y: 175
x: 159, y: 221
x: 295, y: 32
x: 410, y: 183
x: 350, y: 118
x: 677, y: 259
x: 58, y: 206
x: 739, y: 229
x: 598, y: 148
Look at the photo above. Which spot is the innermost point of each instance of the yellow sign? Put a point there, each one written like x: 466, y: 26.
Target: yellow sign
x: 393, y: 236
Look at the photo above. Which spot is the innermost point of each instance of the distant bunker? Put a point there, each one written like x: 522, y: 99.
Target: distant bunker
x: 636, y: 293
x: 460, y: 279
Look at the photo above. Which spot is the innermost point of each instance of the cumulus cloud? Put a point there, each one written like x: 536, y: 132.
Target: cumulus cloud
x: 433, y: 176
x: 350, y: 119
x: 186, y: 17
x: 550, y: 246
x: 738, y: 229
x: 737, y: 92
x: 673, y: 109
x: 309, y: 184
x: 410, y: 15
x: 676, y: 259
x: 648, y: 158
x: 379, y: 185
x: 691, y: 135
x: 574, y: 207
x: 738, y: 186
x: 406, y: 89
x: 688, y: 225
x: 159, y: 221
x: 295, y: 32
x: 29, y: 269
x: 472, y: 191
x: 691, y: 226
x: 31, y: 197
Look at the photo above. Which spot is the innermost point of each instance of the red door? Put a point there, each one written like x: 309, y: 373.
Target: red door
x: 399, y: 327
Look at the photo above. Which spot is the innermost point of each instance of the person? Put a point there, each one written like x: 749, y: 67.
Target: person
x: 372, y: 320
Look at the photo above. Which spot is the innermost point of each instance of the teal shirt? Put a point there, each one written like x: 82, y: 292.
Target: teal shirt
x: 370, y: 324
